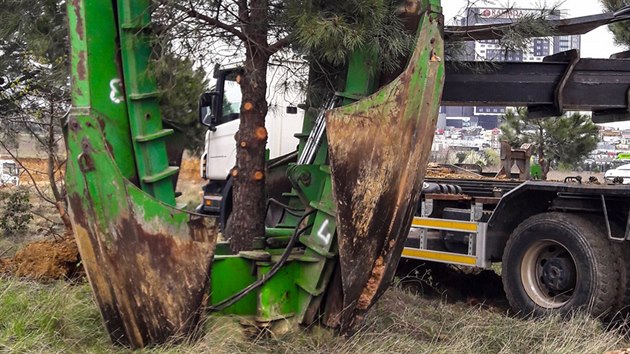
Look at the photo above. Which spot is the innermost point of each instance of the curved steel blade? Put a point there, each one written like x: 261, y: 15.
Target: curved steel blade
x: 379, y: 148
x: 148, y: 264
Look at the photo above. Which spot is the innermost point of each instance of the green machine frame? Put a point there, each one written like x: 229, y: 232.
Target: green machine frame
x: 152, y: 266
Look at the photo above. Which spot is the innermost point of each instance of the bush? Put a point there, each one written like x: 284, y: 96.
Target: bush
x: 16, y: 214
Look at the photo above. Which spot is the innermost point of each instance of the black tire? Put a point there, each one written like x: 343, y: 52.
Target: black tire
x: 226, y: 206
x: 557, y: 263
x: 622, y: 252
x: 622, y: 303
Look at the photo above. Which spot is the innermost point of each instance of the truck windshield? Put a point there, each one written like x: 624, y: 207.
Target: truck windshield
x: 231, y: 101
x: 9, y: 169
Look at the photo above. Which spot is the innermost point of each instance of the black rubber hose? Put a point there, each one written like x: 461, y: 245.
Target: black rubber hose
x: 276, y: 267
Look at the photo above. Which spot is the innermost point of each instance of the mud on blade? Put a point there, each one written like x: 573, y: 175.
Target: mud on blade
x: 148, y: 264
x: 379, y: 148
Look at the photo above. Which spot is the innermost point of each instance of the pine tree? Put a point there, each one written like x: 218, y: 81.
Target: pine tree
x: 324, y: 31
x: 563, y: 139
x: 621, y: 30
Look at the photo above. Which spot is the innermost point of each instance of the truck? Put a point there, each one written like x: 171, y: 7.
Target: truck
x: 9, y: 173
x: 561, y: 245
x: 221, y: 117
x: 156, y: 270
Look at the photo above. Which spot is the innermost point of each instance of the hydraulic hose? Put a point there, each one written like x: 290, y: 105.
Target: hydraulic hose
x: 276, y: 267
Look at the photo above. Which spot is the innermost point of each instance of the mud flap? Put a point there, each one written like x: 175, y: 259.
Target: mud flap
x: 148, y: 264
x: 379, y: 148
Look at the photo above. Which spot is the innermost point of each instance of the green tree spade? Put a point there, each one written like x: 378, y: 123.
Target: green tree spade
x: 253, y: 31
x: 563, y: 139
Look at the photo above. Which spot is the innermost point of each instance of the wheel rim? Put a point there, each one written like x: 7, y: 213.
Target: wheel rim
x: 549, y: 274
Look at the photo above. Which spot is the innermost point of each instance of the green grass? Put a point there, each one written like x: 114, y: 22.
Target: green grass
x: 56, y: 317
x: 61, y: 317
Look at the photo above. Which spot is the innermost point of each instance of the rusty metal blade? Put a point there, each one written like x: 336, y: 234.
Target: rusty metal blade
x: 379, y: 148
x: 151, y: 285
x: 148, y: 263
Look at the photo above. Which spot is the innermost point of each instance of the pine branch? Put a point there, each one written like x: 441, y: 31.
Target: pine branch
x: 207, y: 19
x: 281, y: 43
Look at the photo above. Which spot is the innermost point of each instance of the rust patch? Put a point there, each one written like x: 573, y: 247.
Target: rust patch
x: 73, y: 124
x: 101, y: 123
x: 377, y: 178
x: 77, y: 12
x: 151, y: 285
x: 81, y: 65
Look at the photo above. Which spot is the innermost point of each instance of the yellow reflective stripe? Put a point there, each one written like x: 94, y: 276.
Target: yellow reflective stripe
x: 444, y: 224
x: 439, y: 256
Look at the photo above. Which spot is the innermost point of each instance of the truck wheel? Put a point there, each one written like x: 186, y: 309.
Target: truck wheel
x: 622, y: 254
x: 559, y: 263
x: 622, y: 308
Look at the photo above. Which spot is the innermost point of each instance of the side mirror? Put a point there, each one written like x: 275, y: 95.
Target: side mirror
x: 207, y: 114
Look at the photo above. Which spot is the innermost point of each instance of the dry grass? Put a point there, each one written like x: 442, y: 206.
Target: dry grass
x: 58, y: 317
x: 63, y: 318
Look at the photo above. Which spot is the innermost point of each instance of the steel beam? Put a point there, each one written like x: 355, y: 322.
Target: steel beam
x: 598, y: 85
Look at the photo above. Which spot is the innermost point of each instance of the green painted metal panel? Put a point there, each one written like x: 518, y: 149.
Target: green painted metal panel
x: 132, y: 245
x: 97, y: 78
x: 145, y: 120
x: 362, y: 76
x: 378, y: 152
x: 231, y: 274
x: 277, y: 298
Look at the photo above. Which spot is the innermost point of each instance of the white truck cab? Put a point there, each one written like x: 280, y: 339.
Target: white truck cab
x: 219, y: 111
x: 9, y: 172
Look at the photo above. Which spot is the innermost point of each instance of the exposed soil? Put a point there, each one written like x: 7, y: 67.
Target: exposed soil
x: 38, y: 169
x: 439, y: 171
x: 189, y: 170
x: 45, y: 260
x: 454, y: 284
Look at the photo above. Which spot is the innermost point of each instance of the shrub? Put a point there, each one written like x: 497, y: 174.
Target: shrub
x: 16, y: 214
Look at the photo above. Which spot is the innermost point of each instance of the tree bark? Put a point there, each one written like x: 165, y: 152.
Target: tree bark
x: 247, y: 218
x: 60, y: 200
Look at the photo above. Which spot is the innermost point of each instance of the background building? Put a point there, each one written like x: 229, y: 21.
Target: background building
x: 491, y: 50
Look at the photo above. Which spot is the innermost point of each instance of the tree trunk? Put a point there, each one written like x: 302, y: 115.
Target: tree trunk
x: 247, y: 219
x: 60, y: 198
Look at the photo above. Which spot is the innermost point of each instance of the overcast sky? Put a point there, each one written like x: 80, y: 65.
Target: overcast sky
x: 595, y: 44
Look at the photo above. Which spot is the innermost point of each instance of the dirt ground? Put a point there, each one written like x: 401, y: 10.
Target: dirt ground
x: 45, y: 260
x: 437, y: 171
x: 38, y: 169
x: 37, y: 255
